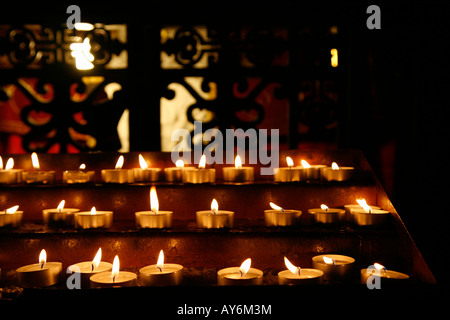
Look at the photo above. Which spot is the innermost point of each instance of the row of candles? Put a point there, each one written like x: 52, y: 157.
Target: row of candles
x: 179, y: 173
x: 97, y: 273
x: 362, y: 214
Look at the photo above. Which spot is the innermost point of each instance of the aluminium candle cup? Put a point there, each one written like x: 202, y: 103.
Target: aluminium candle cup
x: 289, y: 174
x: 232, y: 277
x: 150, y: 219
x: 374, y: 218
x: 349, y: 207
x: 279, y: 218
x: 104, y: 280
x: 307, y: 276
x: 342, y: 174
x: 38, y: 177
x: 147, y: 174
x: 171, y: 275
x: 78, y: 176
x: 342, y: 269
x: 313, y: 173
x: 11, y: 176
x: 11, y: 219
x: 117, y: 175
x: 84, y: 269
x: 86, y: 220
x: 221, y: 219
x: 330, y: 216
x: 384, y: 276
x: 233, y: 174
x: 173, y: 174
x: 56, y: 217
x: 34, y: 276
x: 194, y: 175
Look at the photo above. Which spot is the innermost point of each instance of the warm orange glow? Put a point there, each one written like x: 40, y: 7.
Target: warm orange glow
x: 291, y: 267
x: 154, y: 203
x: 245, y: 266
x: 83, y: 26
x: 61, y: 205
x: 238, y: 162
x: 1, y: 162
x: 42, y: 258
x: 289, y: 162
x: 12, y: 209
x: 214, y: 206
x: 275, y: 207
x: 93, y: 211
x: 115, y: 268
x: 334, y: 166
x: 160, y: 263
x: 81, y: 53
x: 334, y: 57
x: 379, y: 266
x: 202, y: 162
x: 97, y: 259
x: 119, y: 163
x: 364, y: 205
x: 305, y: 164
x: 142, y: 162
x: 82, y: 167
x: 35, y: 161
x: 329, y: 260
x: 179, y: 163
x: 324, y: 207
x: 9, y: 164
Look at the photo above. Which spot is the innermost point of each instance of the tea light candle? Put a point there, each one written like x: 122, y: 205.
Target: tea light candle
x: 93, y: 219
x: 215, y: 218
x: 349, y: 207
x: 59, y: 216
x: 379, y: 274
x: 11, y: 217
x: 154, y: 218
x: 38, y: 176
x: 366, y: 216
x: 118, y: 175
x: 146, y: 174
x: 280, y: 217
x: 336, y: 173
x: 79, y: 176
x: 327, y: 215
x: 175, y: 174
x: 312, y: 171
x: 87, y: 269
x: 238, y: 276
x: 161, y: 274
x: 200, y: 174
x: 115, y: 278
x: 9, y: 175
x: 335, y: 267
x: 289, y: 173
x: 296, y: 275
x: 238, y: 173
x: 42, y: 274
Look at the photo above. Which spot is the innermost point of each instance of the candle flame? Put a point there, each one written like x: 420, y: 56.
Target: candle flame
x: 93, y: 211
x: 35, y: 161
x: 238, y: 162
x: 364, y: 205
x: 214, y: 206
x: 97, y: 259
x: 202, y: 162
x: 289, y: 162
x: 334, y: 166
x: 115, y: 268
x: 119, y: 163
x: 154, y: 203
x: 1, y: 162
x: 142, y: 162
x: 305, y: 164
x: 61, y: 205
x: 42, y: 258
x: 245, y: 266
x: 329, y: 260
x: 324, y: 207
x: 379, y: 266
x: 12, y: 209
x: 275, y: 207
x: 291, y: 267
x: 82, y: 166
x: 160, y: 263
x: 9, y: 164
x: 179, y: 163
